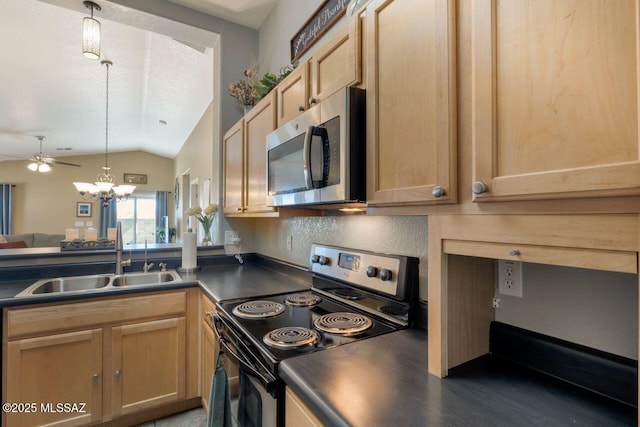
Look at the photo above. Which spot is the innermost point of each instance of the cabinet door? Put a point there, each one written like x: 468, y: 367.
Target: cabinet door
x: 148, y: 364
x: 292, y: 94
x: 38, y: 370
x: 209, y: 350
x: 555, y: 99
x: 411, y: 102
x: 337, y: 63
x: 233, y: 147
x: 297, y: 414
x: 258, y: 123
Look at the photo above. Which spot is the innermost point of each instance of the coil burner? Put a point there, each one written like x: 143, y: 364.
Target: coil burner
x: 343, y: 323
x: 290, y: 337
x: 303, y: 300
x: 258, y: 309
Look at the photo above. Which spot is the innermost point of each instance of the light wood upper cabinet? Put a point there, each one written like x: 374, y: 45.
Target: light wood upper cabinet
x: 233, y: 148
x: 293, y: 94
x: 337, y: 63
x: 148, y: 364
x: 411, y: 102
x: 245, y: 166
x: 55, y: 369
x: 555, y: 99
x: 258, y: 123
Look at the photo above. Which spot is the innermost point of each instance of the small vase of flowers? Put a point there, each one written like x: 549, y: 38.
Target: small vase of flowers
x: 244, y: 90
x: 205, y: 217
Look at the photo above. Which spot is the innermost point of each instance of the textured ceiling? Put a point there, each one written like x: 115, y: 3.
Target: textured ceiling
x: 48, y: 88
x: 250, y: 13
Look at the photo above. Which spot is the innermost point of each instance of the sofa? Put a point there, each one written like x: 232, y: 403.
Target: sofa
x: 31, y: 240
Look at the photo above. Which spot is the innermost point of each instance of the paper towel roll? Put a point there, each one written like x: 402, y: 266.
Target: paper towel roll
x: 189, y: 250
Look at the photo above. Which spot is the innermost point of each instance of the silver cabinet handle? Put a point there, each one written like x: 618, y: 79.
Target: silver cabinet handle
x: 479, y: 187
x: 438, y: 191
x: 301, y: 108
x: 116, y: 373
x: 95, y: 377
x: 313, y: 101
x: 514, y: 252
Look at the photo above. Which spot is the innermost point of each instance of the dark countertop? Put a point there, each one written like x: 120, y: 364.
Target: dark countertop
x: 258, y: 277
x: 383, y: 381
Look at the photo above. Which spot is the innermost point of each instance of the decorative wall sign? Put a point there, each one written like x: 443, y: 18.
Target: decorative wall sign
x: 321, y: 20
x: 135, y: 178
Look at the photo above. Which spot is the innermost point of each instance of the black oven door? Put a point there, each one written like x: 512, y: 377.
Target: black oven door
x: 258, y: 387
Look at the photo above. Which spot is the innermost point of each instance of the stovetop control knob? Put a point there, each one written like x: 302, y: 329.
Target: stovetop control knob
x: 315, y: 259
x: 372, y: 271
x: 385, y: 274
x: 324, y: 260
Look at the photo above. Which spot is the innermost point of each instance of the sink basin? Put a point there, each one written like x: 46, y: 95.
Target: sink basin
x: 151, y: 278
x: 98, y: 282
x: 68, y: 284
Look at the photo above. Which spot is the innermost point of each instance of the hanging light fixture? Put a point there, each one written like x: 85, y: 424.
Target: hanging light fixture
x: 104, y: 188
x: 91, y: 33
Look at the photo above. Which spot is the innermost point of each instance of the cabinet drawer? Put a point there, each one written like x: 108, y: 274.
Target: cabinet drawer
x: 48, y: 318
x: 597, y: 259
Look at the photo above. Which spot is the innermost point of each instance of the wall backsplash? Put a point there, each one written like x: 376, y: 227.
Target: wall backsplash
x: 398, y: 235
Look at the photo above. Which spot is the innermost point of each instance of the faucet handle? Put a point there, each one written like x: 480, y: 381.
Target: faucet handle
x: 162, y: 266
x: 147, y: 267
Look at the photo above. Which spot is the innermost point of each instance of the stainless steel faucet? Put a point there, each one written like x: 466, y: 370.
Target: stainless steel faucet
x: 146, y: 267
x: 119, y: 262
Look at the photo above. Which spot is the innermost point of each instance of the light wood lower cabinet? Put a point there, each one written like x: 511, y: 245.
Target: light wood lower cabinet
x: 148, y: 365
x: 209, y: 345
x: 297, y: 414
x: 44, y: 372
x: 112, y: 356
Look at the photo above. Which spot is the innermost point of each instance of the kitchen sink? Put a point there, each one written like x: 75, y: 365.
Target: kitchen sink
x: 68, y: 284
x: 98, y: 282
x: 151, y: 278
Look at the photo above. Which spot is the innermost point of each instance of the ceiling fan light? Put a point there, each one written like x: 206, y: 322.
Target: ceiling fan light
x: 33, y: 166
x: 44, y: 168
x: 91, y: 38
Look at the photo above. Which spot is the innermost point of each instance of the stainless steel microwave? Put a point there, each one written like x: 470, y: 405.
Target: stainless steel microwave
x: 319, y: 157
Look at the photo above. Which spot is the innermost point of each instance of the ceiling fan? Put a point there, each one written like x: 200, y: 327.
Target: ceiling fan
x: 42, y: 163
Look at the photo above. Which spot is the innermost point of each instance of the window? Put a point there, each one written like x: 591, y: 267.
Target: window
x: 138, y: 217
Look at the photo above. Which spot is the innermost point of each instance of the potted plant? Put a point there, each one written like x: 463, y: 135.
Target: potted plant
x: 244, y: 90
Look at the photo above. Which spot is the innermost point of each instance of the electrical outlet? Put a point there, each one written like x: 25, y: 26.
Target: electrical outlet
x: 510, y: 278
x: 290, y: 243
x: 231, y: 237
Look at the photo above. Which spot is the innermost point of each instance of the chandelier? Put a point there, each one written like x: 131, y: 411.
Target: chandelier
x: 104, y: 188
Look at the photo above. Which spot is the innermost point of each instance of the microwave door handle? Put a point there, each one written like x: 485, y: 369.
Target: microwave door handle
x: 326, y: 147
x: 308, y: 180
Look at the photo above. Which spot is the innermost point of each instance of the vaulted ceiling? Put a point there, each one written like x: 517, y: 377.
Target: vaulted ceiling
x: 47, y: 87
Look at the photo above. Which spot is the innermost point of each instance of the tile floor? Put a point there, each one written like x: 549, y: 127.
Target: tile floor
x: 193, y: 418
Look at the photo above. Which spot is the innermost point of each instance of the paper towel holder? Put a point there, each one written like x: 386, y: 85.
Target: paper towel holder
x: 188, y: 270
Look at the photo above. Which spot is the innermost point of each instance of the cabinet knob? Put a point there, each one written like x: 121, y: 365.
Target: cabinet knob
x: 95, y: 377
x: 479, y: 187
x: 116, y: 373
x: 514, y: 252
x: 312, y: 101
x: 301, y: 108
x: 438, y: 191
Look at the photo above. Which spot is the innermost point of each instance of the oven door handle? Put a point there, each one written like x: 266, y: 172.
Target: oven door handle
x: 246, y: 363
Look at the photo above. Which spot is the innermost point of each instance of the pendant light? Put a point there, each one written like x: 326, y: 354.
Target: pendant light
x: 91, y: 33
x: 104, y: 188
